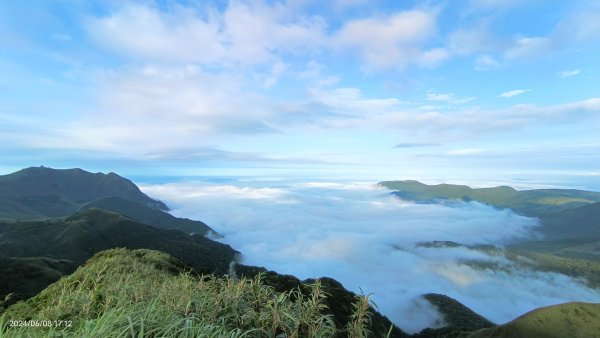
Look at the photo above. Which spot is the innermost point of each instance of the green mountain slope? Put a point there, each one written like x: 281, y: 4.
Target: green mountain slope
x: 455, y: 314
x: 25, y: 277
x: 536, y: 202
x: 150, y: 216
x: 573, y: 223
x: 569, y: 320
x: 146, y: 293
x: 39, y: 192
x: 79, y: 237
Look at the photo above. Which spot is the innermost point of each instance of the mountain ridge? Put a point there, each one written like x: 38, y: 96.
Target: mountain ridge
x: 150, y: 216
x: 533, y: 202
x: 41, y: 192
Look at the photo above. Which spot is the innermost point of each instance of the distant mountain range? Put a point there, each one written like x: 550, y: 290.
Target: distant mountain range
x: 535, y: 202
x: 565, y: 214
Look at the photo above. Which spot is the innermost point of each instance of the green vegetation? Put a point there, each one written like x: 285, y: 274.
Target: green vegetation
x: 534, y: 202
x: 581, y: 222
x: 340, y: 302
x: 141, y: 293
x: 79, y: 237
x: 151, y: 216
x: 456, y: 315
x: 39, y: 192
x: 25, y: 277
x: 577, y: 268
x: 457, y: 318
x: 569, y: 320
x: 537, y: 257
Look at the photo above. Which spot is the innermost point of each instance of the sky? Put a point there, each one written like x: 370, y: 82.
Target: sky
x: 463, y: 90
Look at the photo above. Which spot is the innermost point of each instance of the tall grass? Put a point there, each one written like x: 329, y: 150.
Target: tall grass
x: 144, y: 293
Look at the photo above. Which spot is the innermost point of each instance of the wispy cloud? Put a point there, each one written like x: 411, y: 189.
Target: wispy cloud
x: 416, y: 145
x: 486, y: 62
x: 448, y: 98
x: 465, y: 151
x: 568, y: 73
x: 580, y: 26
x: 514, y: 92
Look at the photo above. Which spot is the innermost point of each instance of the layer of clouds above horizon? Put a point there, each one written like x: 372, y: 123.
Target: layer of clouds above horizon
x: 367, y: 239
x: 366, y: 89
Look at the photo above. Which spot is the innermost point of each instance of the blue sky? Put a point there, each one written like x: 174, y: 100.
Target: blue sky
x: 452, y: 90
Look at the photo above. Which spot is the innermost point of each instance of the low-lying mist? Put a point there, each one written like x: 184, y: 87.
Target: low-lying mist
x: 371, y: 241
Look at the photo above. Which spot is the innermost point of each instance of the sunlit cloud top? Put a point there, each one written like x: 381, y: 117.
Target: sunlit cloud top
x: 377, y: 89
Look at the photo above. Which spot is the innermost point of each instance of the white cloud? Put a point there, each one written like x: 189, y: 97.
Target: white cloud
x: 486, y: 62
x: 465, y: 151
x: 448, y: 98
x: 195, y: 190
x: 433, y: 58
x: 255, y: 32
x: 348, y: 108
x: 439, y: 97
x: 524, y: 47
x: 392, y: 41
x: 514, y: 92
x: 579, y: 27
x: 179, y: 106
x: 568, y: 73
x: 478, y: 39
x: 345, y: 230
x: 244, y: 33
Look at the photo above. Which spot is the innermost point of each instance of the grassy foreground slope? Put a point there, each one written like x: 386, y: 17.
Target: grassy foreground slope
x: 40, y: 192
x: 143, y: 293
x: 569, y: 320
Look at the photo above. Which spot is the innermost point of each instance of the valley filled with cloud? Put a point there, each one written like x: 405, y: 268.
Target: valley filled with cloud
x: 373, y: 242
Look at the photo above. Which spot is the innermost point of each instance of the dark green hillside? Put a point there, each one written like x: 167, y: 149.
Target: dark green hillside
x: 150, y: 216
x: 535, y: 202
x: 79, y: 237
x: 457, y: 318
x: 569, y: 320
x: 25, y: 277
x: 40, y: 192
x: 146, y: 293
x: 573, y: 223
x: 456, y: 315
